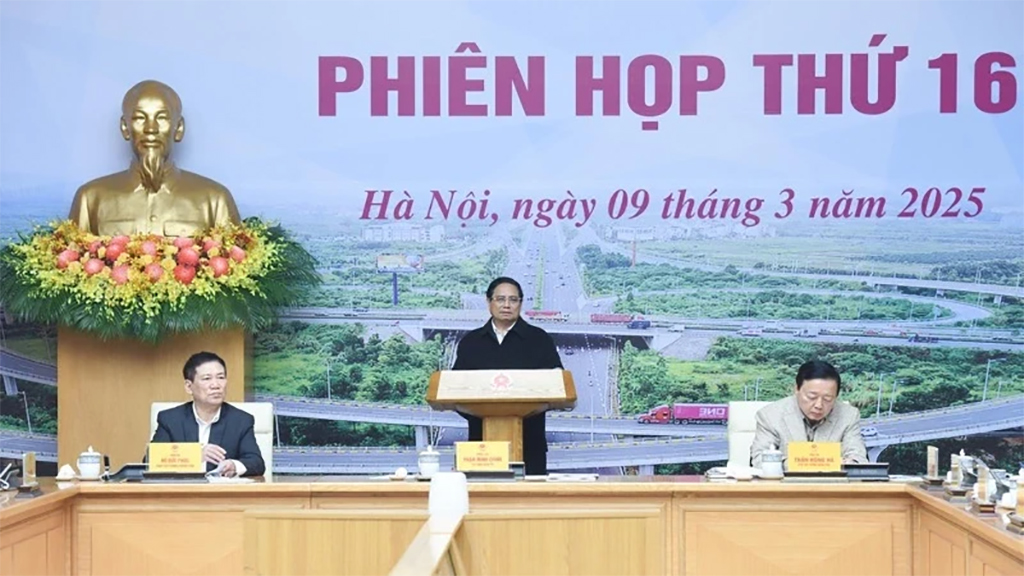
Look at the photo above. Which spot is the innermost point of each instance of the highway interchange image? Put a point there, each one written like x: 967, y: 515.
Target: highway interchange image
x: 593, y: 328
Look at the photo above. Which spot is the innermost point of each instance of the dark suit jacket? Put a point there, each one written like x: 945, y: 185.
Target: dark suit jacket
x: 233, y: 432
x: 525, y: 347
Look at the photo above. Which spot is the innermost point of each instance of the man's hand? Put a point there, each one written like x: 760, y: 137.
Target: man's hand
x: 229, y: 470
x: 214, y: 454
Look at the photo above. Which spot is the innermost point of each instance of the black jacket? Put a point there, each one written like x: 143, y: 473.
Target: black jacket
x: 233, y: 432
x: 525, y: 347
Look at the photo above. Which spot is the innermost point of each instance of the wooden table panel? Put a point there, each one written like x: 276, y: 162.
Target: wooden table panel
x: 677, y: 526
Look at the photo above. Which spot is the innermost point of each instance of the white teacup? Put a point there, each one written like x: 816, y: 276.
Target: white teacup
x: 771, y: 469
x: 90, y: 464
x: 429, y: 463
x: 771, y: 463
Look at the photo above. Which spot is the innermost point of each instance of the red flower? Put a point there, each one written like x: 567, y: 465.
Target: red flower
x: 184, y: 274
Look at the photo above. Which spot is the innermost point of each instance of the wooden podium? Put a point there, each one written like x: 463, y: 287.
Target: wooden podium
x: 105, y: 388
x: 502, y: 398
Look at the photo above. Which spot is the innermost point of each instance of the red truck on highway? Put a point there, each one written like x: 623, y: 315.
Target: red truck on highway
x: 686, y: 414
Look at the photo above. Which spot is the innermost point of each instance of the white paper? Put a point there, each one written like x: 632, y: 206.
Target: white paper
x: 904, y: 478
x: 215, y: 475
x: 229, y: 480
x: 572, y: 477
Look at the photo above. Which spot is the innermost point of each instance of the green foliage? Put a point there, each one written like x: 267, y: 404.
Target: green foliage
x: 283, y: 285
x: 1010, y: 314
x: 40, y: 343
x: 592, y: 256
x: 777, y: 304
x: 42, y: 408
x: 293, y: 358
x: 607, y: 274
x: 988, y: 271
x: 925, y: 378
x: 439, y: 286
x: 304, y: 432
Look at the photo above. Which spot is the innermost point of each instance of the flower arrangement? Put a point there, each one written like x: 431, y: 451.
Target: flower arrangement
x: 145, y: 286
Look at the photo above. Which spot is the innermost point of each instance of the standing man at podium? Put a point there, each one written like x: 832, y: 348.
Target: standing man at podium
x: 507, y: 342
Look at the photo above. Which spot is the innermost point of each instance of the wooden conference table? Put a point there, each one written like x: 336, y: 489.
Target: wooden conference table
x: 656, y: 525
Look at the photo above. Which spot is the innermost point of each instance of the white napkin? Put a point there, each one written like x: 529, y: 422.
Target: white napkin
x: 66, y: 472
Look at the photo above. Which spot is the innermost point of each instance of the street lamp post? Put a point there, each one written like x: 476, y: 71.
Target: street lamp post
x: 892, y: 398
x: 328, y: 378
x: 988, y: 370
x: 878, y: 404
x: 592, y: 417
x: 28, y: 417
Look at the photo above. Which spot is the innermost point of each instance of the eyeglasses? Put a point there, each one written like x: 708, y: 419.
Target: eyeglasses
x: 509, y: 299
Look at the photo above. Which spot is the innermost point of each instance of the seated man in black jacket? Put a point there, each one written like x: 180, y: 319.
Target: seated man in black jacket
x: 225, y: 432
x: 508, y: 342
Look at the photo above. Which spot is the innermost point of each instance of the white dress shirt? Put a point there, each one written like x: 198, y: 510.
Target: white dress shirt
x: 499, y: 333
x: 204, y: 435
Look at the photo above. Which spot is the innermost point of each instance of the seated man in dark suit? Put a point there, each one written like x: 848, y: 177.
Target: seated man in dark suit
x: 225, y: 432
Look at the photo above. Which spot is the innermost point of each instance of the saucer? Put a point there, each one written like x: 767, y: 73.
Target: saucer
x: 91, y: 479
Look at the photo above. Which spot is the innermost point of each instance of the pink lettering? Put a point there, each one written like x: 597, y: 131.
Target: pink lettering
x: 330, y: 87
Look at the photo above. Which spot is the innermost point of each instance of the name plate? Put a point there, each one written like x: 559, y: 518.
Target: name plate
x: 814, y: 457
x: 481, y: 456
x: 501, y: 384
x: 982, y: 483
x: 1020, y: 498
x: 176, y: 457
x: 28, y: 468
x: 933, y: 462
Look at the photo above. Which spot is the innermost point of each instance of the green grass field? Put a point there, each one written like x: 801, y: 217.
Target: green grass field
x: 37, y: 348
x: 287, y: 373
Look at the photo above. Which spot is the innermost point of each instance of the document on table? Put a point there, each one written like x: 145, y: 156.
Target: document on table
x: 226, y: 480
x: 572, y: 477
x: 214, y: 477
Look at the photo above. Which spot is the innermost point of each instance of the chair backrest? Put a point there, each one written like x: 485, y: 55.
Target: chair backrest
x: 742, y: 425
x: 262, y: 412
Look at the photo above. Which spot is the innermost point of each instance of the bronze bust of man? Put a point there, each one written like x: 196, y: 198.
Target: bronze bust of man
x: 152, y: 195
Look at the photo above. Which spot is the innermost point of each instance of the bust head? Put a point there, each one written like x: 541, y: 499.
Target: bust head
x: 151, y: 120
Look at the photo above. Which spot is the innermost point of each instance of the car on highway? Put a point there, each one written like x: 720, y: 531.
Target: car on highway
x: 868, y: 431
